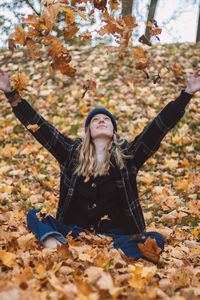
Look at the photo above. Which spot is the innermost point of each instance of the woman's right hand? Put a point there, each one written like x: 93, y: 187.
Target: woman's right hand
x: 5, y: 84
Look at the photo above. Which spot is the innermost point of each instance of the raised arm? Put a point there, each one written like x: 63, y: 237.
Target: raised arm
x: 55, y: 142
x: 148, y: 141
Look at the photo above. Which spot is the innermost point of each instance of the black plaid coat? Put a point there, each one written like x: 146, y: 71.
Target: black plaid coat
x: 66, y: 150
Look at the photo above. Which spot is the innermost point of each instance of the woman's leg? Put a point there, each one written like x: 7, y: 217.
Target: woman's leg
x: 45, y: 227
x: 129, y: 243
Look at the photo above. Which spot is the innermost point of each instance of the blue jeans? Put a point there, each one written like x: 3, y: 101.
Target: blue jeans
x: 50, y: 226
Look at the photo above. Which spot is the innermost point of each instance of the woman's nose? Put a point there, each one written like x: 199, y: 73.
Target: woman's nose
x: 101, y: 120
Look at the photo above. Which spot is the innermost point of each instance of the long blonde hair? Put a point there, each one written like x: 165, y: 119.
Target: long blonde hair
x: 88, y: 164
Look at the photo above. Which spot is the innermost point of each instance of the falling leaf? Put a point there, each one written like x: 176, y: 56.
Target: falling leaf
x: 19, y: 35
x: 82, y: 15
x: 20, y: 82
x: 155, y: 31
x: 69, y: 32
x: 105, y: 218
x: 33, y: 127
x: 11, y: 45
x: 100, y: 4
x: 142, y: 39
x: 70, y: 17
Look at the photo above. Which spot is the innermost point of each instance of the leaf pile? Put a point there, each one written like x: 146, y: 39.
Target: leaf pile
x: 168, y: 183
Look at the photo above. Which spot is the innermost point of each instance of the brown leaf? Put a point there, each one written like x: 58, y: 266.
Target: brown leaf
x: 176, y: 69
x: 100, y: 4
x: 11, y: 45
x: 142, y: 39
x: 69, y: 32
x: 67, y: 70
x: 150, y: 249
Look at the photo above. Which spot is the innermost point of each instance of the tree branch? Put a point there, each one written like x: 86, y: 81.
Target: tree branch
x: 29, y: 4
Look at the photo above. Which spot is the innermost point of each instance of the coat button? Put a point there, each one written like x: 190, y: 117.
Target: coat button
x: 91, y: 227
x: 94, y: 205
x: 94, y: 185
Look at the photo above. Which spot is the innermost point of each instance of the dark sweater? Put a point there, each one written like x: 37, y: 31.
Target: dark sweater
x: 96, y: 205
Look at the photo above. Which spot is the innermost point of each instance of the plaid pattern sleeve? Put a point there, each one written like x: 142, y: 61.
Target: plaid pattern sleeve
x: 47, y: 135
x: 148, y: 141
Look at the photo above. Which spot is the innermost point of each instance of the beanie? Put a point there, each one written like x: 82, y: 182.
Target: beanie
x: 100, y: 111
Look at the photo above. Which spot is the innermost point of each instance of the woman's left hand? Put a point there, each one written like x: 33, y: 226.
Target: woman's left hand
x: 193, y: 83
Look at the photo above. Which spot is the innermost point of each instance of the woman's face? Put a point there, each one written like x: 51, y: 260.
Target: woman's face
x: 101, y: 126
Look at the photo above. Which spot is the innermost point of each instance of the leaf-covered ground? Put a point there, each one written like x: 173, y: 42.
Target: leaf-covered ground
x: 168, y: 183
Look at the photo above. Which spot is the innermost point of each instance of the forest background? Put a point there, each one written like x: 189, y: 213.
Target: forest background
x: 64, y: 71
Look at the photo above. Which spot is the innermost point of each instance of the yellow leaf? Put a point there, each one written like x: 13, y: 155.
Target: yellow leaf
x: 82, y: 15
x: 7, y: 258
x: 41, y: 270
x: 147, y: 178
x: 174, y: 154
x: 152, y: 161
x: 176, y: 139
x: 33, y: 127
x: 20, y: 82
x: 181, y: 185
x: 171, y: 163
x: 196, y: 232
x: 105, y: 218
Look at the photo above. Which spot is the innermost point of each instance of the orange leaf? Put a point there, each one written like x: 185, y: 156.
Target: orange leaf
x: 69, y: 18
x: 139, y: 53
x: 20, y: 82
x: 19, y: 35
x: 82, y: 15
x: 181, y: 185
x: 114, y: 4
x: 149, y: 24
x: 155, y: 31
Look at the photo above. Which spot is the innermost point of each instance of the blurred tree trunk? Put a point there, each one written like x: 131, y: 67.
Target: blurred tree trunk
x: 127, y: 7
x: 151, y: 14
x: 198, y: 28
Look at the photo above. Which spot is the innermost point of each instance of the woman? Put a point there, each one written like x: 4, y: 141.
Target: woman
x: 98, y: 190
